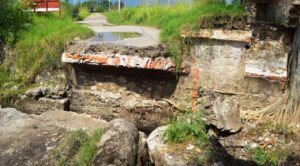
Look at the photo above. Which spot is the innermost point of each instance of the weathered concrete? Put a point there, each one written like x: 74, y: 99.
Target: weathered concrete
x: 147, y: 114
x: 231, y: 66
x: 138, y: 62
x: 28, y: 139
x: 221, y: 34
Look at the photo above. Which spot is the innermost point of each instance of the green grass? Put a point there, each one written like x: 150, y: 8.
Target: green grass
x: 69, y: 146
x: 77, y: 148
x: 188, y: 126
x: 267, y: 157
x: 88, y: 150
x: 38, y: 49
x: 83, y: 13
x: 171, y: 20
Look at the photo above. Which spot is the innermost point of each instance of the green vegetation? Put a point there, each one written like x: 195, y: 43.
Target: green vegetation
x: 279, y: 129
x: 77, y: 148
x: 88, y: 149
x: 268, y: 157
x: 12, y: 20
x: 41, y: 46
x: 188, y: 126
x: 38, y: 48
x: 83, y: 13
x: 171, y: 20
x: 37, y: 43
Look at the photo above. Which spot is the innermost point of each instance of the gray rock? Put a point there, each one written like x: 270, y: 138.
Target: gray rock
x: 158, y: 150
x: 34, y: 93
x: 118, y: 145
x: 44, y: 90
x: 24, y: 138
x: 143, y: 155
x: 57, y: 93
x: 226, y: 115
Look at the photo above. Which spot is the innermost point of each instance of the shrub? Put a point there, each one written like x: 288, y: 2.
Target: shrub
x: 13, y: 19
x: 83, y: 12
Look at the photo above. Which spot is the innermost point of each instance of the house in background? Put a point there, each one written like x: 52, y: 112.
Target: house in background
x: 46, y: 5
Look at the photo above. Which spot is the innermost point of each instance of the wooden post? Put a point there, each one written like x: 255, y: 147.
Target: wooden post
x: 59, y: 8
x: 46, y: 5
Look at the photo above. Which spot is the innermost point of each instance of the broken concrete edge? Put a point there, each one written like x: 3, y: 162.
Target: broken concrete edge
x: 278, y: 76
x: 161, y: 63
x: 220, y: 34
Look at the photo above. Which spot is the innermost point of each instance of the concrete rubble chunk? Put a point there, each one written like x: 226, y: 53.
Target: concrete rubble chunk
x: 226, y: 115
x: 34, y: 93
x: 118, y: 145
x: 158, y: 150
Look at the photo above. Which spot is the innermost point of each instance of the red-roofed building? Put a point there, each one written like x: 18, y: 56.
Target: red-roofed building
x: 46, y: 5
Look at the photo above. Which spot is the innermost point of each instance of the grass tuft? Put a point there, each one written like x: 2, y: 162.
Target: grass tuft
x: 77, y: 148
x: 268, y: 157
x: 188, y: 126
x: 88, y: 150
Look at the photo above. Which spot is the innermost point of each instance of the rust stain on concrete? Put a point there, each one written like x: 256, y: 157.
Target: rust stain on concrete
x: 159, y: 63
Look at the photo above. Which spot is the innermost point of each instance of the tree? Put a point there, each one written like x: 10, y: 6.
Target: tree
x: 12, y: 19
x: 27, y: 4
x: 287, y: 109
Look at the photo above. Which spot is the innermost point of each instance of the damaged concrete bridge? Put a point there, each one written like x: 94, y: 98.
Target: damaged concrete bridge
x: 124, y: 71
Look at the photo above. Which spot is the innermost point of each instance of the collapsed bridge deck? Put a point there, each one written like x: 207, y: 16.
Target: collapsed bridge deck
x: 147, y: 58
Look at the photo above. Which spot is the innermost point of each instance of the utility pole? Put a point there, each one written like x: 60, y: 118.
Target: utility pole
x: 108, y: 5
x: 119, y: 5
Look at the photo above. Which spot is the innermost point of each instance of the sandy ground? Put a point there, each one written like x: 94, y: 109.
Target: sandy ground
x: 149, y: 36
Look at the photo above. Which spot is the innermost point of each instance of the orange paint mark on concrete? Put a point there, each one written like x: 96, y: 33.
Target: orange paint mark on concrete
x: 195, y: 73
x: 100, y: 60
x: 68, y: 55
x: 75, y: 56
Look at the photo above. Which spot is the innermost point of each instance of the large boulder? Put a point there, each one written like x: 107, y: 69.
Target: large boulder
x: 118, y: 145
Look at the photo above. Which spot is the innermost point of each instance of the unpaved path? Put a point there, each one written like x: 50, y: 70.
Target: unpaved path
x: 149, y: 36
